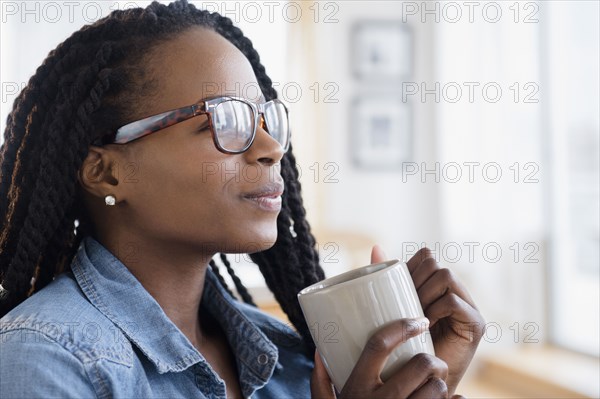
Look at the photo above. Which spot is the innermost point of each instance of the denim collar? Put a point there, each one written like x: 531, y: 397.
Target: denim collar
x: 116, y: 293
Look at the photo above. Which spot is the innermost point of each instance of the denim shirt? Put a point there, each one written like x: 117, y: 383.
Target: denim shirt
x: 96, y: 332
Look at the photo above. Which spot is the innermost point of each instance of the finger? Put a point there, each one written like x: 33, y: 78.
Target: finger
x: 377, y: 254
x: 320, y: 383
x: 442, y: 281
x: 468, y: 323
x: 417, y: 258
x: 434, y: 388
x: 381, y: 344
x: 415, y: 374
x: 424, y: 271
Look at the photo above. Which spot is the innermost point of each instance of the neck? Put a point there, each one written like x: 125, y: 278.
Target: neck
x: 173, y: 275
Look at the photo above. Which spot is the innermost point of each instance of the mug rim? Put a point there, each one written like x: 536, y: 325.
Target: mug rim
x: 348, y: 277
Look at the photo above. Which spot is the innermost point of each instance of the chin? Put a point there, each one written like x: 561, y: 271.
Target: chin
x: 262, y: 244
x: 255, y: 241
x: 265, y: 235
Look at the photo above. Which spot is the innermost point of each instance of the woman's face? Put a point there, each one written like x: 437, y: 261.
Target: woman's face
x: 177, y: 187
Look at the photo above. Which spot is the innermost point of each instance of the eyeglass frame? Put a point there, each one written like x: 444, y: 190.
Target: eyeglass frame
x: 154, y: 123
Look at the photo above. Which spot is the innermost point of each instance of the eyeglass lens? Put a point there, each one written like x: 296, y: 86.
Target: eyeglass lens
x: 234, y: 124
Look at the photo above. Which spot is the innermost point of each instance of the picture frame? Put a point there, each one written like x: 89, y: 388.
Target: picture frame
x: 381, y: 132
x: 381, y: 50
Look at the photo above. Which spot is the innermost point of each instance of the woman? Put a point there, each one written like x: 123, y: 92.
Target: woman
x: 122, y: 178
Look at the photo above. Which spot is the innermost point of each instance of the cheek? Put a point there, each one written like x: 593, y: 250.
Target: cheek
x: 191, y: 186
x: 179, y: 184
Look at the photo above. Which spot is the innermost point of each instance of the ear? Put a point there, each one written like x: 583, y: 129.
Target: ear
x: 99, y: 173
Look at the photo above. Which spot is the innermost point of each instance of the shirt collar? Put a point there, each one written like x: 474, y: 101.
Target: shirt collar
x: 116, y: 293
x: 257, y: 355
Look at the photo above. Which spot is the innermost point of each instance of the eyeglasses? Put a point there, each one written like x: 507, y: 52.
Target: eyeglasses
x: 232, y: 121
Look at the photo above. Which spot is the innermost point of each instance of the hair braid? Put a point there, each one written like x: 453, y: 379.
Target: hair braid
x: 59, y: 249
x: 52, y: 196
x: 310, y: 255
x: 243, y: 291
x: 31, y: 112
x: 215, y: 269
x: 18, y: 121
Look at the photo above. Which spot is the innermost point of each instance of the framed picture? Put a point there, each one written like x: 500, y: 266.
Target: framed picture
x: 381, y: 50
x: 381, y: 132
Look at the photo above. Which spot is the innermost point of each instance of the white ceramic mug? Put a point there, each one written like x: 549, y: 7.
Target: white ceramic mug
x: 343, y: 311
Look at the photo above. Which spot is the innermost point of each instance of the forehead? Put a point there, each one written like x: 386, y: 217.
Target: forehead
x: 198, y: 64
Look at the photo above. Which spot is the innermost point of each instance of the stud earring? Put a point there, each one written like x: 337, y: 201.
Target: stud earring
x: 109, y: 200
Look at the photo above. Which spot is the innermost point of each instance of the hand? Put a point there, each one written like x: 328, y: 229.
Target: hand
x: 422, y: 377
x: 456, y: 324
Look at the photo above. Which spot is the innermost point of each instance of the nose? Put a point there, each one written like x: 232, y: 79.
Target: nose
x: 265, y: 148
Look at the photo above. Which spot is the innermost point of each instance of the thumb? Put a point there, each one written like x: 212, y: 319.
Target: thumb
x: 377, y: 254
x: 320, y: 383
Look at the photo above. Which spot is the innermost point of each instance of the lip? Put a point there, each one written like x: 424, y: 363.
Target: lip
x: 267, y: 197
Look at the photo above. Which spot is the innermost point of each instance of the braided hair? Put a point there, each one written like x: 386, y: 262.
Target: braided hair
x: 80, y: 95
